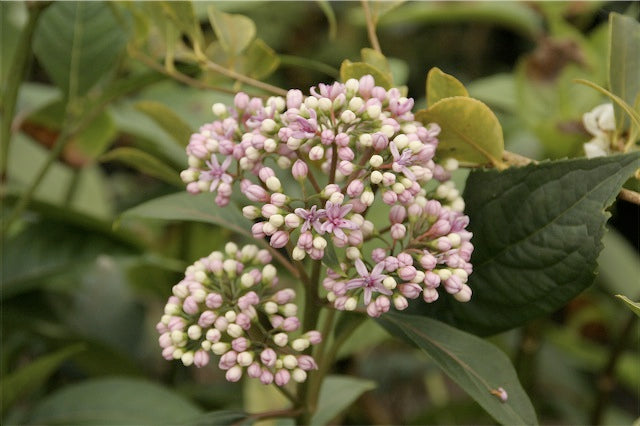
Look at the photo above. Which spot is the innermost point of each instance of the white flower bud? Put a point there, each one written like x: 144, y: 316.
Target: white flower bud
x: 245, y: 358
x: 319, y: 243
x: 200, y: 276
x: 188, y: 176
x: 230, y: 316
x: 281, y: 339
x: 352, y: 85
x: 213, y: 335
x: 389, y: 283
x: 194, y: 162
x: 367, y: 197
x: 270, y: 145
x: 398, y: 188
x: 273, y: 183
x: 290, y: 310
x: 347, y: 116
x: 187, y: 358
x: 401, y: 141
x: 171, y: 309
x: 268, y: 273
x: 458, y: 205
x: 356, y: 103
x: 387, y: 130
x: 376, y: 177
x: 454, y: 239
x: 415, y: 146
x: 300, y: 344
x: 194, y: 332
x: 464, y: 295
x: 206, y: 345
x: 376, y: 161
x: 271, y: 307
x: 220, y: 348
x: 444, y: 274
x: 324, y: 104
x: 374, y: 111
x: 298, y: 253
x: 299, y: 375
x: 350, y: 304
x: 219, y: 109
x: 268, y: 125
x: 289, y: 362
x: 283, y: 162
x: 353, y: 253
x: 251, y: 212
x: 331, y: 297
x: 177, y: 336
x: 365, y: 139
x: 311, y: 103
x: 234, y: 330
x: 462, y: 274
x: 419, y: 277
x: 277, y: 220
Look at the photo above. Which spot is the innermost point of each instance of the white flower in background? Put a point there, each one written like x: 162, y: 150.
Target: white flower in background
x: 600, y: 123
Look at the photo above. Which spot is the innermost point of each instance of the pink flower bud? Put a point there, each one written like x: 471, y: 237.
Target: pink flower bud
x: 239, y: 344
x: 257, y: 230
x: 340, y: 302
x: 378, y: 255
x: 276, y: 321
x: 279, y: 239
x: 379, y: 141
x: 299, y: 170
x: 406, y: 197
x: 441, y: 227
x: 372, y: 310
x: 453, y: 284
x: 228, y: 360
x: 282, y: 377
x: 405, y: 259
x: 190, y: 306
x: 307, y: 363
x: 358, y: 205
x: 257, y: 193
x: 291, y: 324
x: 206, y: 319
x: 254, y: 371
x: 284, y: 296
x: 342, y: 139
x: 414, y: 211
x: 330, y: 189
x: 464, y: 295
x: 266, y: 378
x: 400, y: 302
x: 243, y: 320
x: 379, y: 92
x: 200, y: 358
x: 269, y: 210
x: 316, y: 153
x: 355, y: 188
x: 345, y: 153
x: 397, y: 214
x: 465, y: 251
x: 383, y: 304
x: 410, y: 290
x: 234, y: 374
x: 430, y: 295
x: 305, y: 240
x: 327, y: 137
x: 391, y: 263
x: 432, y: 208
x: 165, y: 340
x: 398, y: 231
x: 407, y: 273
x: 316, y: 254
x: 431, y: 279
x: 278, y: 199
x: 176, y: 323
x: 428, y: 261
x: 356, y: 238
x: 167, y: 353
x: 366, y: 85
x: 241, y: 101
x: 314, y: 337
x: 443, y: 244
x: 389, y: 198
x: 213, y: 300
x: 294, y: 98
x: 268, y: 357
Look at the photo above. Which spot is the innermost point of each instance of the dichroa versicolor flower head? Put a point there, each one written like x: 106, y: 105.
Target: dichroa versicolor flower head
x: 312, y: 172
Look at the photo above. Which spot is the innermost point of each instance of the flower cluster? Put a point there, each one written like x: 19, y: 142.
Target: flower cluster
x: 227, y: 304
x: 314, y: 169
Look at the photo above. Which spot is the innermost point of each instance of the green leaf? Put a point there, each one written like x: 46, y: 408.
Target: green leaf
x: 326, y: 8
x: 634, y: 306
x: 441, y: 85
x: 168, y: 120
x: 77, y: 43
x: 220, y: 418
x: 376, y: 59
x: 145, y: 163
x: 13, y: 17
x: 330, y: 259
x: 197, y: 208
x: 498, y: 91
x: 234, y: 32
x: 475, y: 365
x: 114, y: 401
x: 29, y: 378
x: 181, y: 13
x: 356, y: 70
x: 336, y: 394
x: 260, y: 60
x: 537, y: 233
x: 624, y: 62
x: 618, y: 263
x: 470, y: 132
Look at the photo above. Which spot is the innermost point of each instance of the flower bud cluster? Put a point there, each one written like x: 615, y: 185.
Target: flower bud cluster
x: 313, y: 167
x: 227, y: 304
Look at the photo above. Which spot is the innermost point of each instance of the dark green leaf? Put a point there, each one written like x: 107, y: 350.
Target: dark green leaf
x: 326, y: 8
x: 234, y: 32
x: 21, y: 383
x: 145, y: 163
x: 624, y: 62
x: 114, y: 401
x: 356, y: 70
x: 537, y: 235
x: 168, y: 120
x: 336, y: 394
x: 77, y: 43
x: 470, y: 133
x: 618, y: 264
x: 13, y: 17
x: 49, y: 248
x: 221, y: 418
x: 441, y: 85
x: 330, y: 259
x: 634, y: 306
x: 474, y: 364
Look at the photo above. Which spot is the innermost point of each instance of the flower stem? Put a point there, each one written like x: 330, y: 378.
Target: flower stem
x: 371, y: 27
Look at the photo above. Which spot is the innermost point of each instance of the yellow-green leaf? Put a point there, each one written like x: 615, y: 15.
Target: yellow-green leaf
x: 375, y: 58
x: 470, y: 132
x: 234, y: 32
x: 634, y: 306
x: 441, y: 85
x: 260, y: 60
x: 184, y: 18
x: 356, y: 70
x: 624, y: 62
x: 167, y: 119
x: 145, y: 163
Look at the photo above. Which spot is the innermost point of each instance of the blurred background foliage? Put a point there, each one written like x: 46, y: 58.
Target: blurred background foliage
x: 103, y: 109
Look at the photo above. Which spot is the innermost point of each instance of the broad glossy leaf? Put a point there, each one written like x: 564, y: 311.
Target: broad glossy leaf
x: 470, y: 132
x: 441, y: 85
x: 145, y: 163
x: 537, y: 235
x: 27, y: 379
x: 356, y: 70
x: 77, y: 43
x: 198, y: 208
x: 114, y: 401
x: 168, y: 120
x: 234, y: 32
x: 475, y: 365
x: 634, y: 306
x: 624, y: 62
x: 336, y: 394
